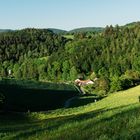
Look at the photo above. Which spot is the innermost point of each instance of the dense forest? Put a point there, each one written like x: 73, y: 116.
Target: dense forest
x: 112, y: 55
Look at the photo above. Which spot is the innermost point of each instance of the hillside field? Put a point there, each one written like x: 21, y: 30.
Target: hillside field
x: 114, y: 117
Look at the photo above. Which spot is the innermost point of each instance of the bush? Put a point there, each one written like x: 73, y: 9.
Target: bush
x: 126, y: 83
x: 120, y: 83
x: 116, y: 84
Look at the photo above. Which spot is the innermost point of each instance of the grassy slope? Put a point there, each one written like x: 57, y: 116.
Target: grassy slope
x: 114, y: 117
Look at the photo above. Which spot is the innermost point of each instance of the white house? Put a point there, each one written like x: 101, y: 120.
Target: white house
x: 83, y: 82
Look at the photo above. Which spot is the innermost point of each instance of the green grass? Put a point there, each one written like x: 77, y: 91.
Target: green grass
x: 69, y: 36
x: 115, y: 117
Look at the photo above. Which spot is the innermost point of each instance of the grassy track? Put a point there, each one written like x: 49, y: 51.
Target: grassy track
x: 115, y: 117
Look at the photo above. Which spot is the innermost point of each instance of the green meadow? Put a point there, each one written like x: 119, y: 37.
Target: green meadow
x: 115, y: 117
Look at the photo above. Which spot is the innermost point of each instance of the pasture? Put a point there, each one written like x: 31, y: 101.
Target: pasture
x: 114, y: 117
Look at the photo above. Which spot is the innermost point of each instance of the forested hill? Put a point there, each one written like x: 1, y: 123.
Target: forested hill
x: 132, y: 24
x: 33, y: 43
x: 112, y: 55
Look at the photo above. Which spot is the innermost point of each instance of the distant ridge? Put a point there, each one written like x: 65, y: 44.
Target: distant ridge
x: 87, y: 29
x: 77, y: 30
x: 5, y: 30
x: 57, y: 31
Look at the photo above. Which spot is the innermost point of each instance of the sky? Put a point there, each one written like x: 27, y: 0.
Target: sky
x: 67, y: 14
